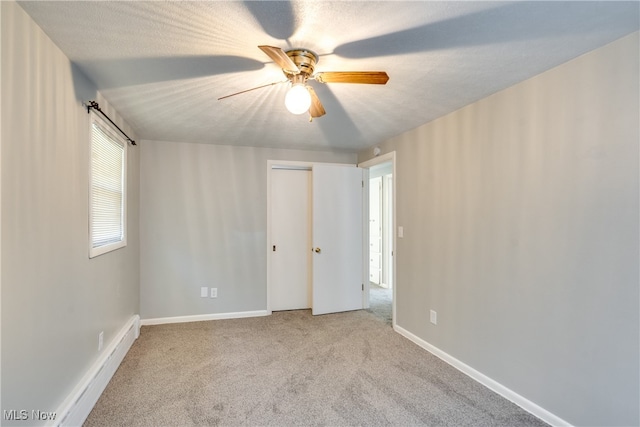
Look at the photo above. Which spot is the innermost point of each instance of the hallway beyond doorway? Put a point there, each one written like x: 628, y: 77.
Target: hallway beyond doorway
x: 380, y: 300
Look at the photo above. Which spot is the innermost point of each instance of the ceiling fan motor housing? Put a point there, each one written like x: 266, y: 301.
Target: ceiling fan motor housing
x: 298, y: 65
x: 304, y: 59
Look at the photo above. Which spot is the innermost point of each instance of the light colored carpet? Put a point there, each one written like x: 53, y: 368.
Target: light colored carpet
x: 380, y: 300
x: 290, y: 369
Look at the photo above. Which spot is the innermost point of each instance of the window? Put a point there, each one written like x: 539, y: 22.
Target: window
x: 107, y: 190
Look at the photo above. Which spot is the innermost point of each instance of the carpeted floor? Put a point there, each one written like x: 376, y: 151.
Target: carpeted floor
x: 290, y: 369
x: 380, y: 300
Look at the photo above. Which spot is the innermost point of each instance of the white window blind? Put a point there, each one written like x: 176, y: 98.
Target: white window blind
x: 107, y: 191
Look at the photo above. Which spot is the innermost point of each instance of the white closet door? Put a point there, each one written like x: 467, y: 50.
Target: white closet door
x: 337, y: 238
x: 291, y: 239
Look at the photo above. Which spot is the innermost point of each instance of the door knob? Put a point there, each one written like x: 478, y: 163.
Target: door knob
x: 318, y: 250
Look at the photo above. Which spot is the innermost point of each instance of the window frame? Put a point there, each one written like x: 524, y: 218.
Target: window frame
x: 114, y: 136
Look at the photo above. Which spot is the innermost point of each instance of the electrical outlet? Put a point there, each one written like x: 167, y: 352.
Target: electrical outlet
x: 214, y: 292
x: 204, y: 292
x: 433, y: 317
x: 100, y: 340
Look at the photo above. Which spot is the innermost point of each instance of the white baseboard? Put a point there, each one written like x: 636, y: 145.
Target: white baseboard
x: 204, y: 317
x: 503, y: 391
x: 76, y: 408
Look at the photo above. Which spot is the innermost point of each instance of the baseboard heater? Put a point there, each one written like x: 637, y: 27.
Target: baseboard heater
x: 77, y: 407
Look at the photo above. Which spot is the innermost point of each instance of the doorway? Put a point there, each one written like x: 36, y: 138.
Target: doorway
x: 315, y: 234
x: 381, y: 209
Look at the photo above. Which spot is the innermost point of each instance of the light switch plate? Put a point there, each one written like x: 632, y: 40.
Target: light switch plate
x: 204, y: 292
x: 400, y: 231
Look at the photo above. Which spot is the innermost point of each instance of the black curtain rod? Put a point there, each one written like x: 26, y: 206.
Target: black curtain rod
x: 95, y: 106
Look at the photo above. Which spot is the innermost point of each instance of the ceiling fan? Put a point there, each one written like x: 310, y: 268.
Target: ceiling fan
x: 298, y: 66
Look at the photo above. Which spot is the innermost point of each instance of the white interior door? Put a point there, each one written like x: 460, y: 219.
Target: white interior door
x: 337, y: 238
x: 291, y: 239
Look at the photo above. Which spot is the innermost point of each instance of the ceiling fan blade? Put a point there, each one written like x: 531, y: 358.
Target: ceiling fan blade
x: 280, y: 57
x: 366, y: 77
x: 316, y: 109
x: 253, y: 88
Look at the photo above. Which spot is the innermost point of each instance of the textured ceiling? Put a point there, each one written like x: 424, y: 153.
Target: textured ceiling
x: 163, y: 65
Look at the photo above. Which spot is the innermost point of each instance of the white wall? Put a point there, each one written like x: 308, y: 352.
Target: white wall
x: 55, y: 300
x: 520, y: 216
x: 204, y: 223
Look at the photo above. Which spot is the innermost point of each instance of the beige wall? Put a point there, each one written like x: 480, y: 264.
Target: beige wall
x: 204, y: 223
x: 520, y: 216
x: 55, y: 300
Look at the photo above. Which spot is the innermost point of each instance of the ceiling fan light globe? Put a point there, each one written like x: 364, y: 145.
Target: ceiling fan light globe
x: 298, y: 99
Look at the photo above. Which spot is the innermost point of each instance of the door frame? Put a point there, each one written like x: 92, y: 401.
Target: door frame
x: 303, y: 165
x: 384, y: 158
